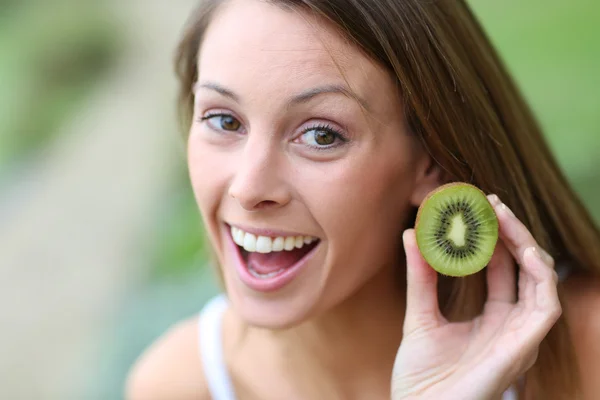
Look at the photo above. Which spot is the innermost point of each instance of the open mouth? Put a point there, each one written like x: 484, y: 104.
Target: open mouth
x: 267, y: 262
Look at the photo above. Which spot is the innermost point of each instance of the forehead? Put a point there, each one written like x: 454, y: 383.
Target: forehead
x: 286, y: 50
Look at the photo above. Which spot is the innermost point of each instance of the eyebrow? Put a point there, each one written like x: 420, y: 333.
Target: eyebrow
x: 300, y: 98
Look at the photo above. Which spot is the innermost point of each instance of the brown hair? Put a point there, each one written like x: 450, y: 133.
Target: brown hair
x: 462, y: 104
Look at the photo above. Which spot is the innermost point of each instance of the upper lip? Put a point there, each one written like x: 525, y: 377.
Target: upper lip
x: 269, y: 232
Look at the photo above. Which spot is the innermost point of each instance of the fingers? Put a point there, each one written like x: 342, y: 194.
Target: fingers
x: 537, y: 279
x: 501, y: 276
x: 545, y: 294
x: 516, y: 235
x: 540, y: 305
x: 422, y: 309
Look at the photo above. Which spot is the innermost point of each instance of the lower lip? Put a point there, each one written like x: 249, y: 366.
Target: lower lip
x: 267, y: 284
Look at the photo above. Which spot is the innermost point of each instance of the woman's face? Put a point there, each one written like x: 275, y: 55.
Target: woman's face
x: 298, y: 140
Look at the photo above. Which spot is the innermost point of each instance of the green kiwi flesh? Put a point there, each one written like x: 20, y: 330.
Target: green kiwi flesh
x: 456, y: 229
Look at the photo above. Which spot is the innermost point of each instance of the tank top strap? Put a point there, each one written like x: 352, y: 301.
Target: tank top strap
x: 210, y: 344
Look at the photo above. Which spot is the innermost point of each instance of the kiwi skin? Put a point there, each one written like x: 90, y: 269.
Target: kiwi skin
x: 419, y: 217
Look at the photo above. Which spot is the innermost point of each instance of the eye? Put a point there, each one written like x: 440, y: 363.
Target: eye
x: 222, y: 121
x: 322, y: 137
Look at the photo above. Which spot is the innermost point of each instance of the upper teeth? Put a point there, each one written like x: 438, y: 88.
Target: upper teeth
x: 265, y: 244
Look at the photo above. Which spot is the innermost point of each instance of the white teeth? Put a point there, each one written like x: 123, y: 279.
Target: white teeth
x: 265, y: 244
x: 278, y: 243
x: 249, y: 242
x: 290, y: 243
x: 238, y: 236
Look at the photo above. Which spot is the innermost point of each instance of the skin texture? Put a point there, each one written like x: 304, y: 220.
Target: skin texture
x: 350, y: 302
x: 353, y: 197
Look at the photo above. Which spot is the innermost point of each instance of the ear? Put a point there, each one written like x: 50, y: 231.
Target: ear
x: 429, y: 176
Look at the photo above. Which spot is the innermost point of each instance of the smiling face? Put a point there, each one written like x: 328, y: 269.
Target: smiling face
x: 297, y: 141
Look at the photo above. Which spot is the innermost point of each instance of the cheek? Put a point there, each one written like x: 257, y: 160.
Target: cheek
x: 359, y: 195
x: 361, y: 206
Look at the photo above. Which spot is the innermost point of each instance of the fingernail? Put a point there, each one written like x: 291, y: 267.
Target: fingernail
x: 547, y: 258
x: 535, y: 253
x: 508, y: 210
x: 494, y: 200
x: 542, y: 255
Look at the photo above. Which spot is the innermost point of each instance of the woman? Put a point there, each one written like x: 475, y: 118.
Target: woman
x: 321, y: 125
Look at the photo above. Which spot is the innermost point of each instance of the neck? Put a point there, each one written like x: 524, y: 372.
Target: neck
x: 352, y: 347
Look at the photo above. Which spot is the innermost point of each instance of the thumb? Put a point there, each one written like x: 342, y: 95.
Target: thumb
x: 422, y: 309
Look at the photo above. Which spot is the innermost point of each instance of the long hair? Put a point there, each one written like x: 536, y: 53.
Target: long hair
x: 464, y: 107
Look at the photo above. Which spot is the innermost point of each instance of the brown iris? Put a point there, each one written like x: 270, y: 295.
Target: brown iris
x: 229, y: 123
x: 324, y: 138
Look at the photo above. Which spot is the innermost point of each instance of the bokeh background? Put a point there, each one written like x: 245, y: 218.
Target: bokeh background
x: 100, y: 241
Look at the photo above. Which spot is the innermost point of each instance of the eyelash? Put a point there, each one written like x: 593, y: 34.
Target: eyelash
x: 320, y: 127
x: 329, y: 129
x: 217, y: 114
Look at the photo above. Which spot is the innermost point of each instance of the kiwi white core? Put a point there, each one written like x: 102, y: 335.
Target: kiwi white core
x: 458, y: 231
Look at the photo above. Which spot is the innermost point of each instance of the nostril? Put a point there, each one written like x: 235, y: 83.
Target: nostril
x: 266, y: 204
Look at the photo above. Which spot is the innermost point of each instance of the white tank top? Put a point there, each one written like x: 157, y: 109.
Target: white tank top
x: 211, y: 351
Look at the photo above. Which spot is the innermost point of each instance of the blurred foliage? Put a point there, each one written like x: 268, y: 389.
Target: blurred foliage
x: 550, y: 47
x: 51, y: 55
x: 180, y: 246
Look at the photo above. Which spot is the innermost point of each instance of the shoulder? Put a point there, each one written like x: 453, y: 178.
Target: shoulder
x: 170, y: 368
x: 582, y: 306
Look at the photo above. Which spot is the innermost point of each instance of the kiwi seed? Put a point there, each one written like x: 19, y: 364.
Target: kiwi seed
x: 456, y: 229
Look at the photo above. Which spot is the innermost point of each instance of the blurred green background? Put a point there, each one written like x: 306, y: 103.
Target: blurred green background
x: 100, y: 234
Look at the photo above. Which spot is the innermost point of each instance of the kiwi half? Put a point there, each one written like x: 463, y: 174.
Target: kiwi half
x: 456, y: 229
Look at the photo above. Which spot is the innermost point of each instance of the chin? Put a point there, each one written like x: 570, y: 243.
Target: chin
x: 271, y: 313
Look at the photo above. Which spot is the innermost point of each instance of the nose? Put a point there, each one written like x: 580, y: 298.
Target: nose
x: 257, y: 183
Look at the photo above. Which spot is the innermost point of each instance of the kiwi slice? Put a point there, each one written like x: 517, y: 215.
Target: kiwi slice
x: 456, y: 229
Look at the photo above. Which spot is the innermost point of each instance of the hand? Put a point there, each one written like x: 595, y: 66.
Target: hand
x: 481, y: 358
